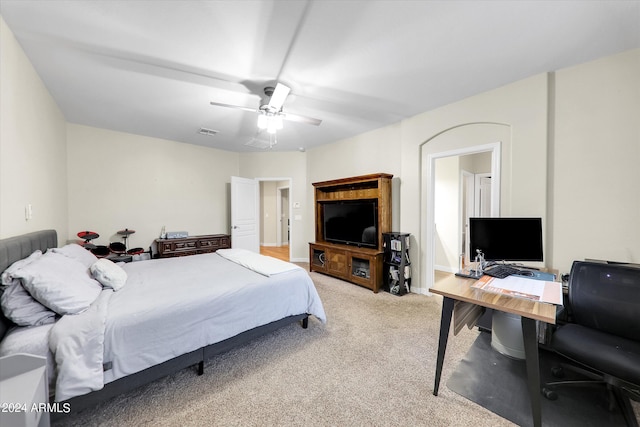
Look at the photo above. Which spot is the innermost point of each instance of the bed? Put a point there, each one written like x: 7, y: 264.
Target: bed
x: 108, y: 328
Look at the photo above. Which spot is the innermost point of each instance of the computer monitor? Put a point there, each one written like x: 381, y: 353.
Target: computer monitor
x: 506, y: 239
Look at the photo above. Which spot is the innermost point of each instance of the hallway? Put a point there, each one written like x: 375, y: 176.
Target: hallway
x: 280, y: 252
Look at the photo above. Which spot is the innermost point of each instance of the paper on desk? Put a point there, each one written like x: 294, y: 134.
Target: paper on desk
x: 522, y: 287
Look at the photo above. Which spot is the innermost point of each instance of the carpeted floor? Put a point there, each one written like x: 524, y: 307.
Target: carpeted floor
x: 372, y: 364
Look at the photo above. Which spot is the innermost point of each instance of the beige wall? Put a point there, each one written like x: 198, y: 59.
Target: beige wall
x: 447, y: 214
x: 32, y: 147
x: 118, y: 180
x: 476, y: 163
x: 595, y: 161
x: 371, y: 152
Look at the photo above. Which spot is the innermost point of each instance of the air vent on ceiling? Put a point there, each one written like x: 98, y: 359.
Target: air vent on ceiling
x: 208, y: 132
x: 257, y: 143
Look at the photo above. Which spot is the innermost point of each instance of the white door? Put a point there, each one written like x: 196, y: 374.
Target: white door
x: 483, y: 197
x: 244, y: 214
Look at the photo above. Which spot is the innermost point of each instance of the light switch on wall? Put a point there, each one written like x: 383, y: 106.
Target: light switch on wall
x: 28, y: 212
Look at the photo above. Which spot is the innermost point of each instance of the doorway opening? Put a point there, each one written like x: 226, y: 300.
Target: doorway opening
x: 275, y: 217
x: 434, y: 226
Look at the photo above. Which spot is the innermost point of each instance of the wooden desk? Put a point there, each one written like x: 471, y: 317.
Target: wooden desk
x: 456, y: 288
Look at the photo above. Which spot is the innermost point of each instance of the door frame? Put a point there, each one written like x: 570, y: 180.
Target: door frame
x: 429, y: 236
x: 290, y: 187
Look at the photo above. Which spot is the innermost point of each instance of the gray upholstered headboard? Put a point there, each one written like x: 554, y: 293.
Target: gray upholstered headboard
x: 16, y: 248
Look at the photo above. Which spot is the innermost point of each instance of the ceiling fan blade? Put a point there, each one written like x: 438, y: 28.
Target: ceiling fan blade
x: 276, y: 101
x: 279, y: 95
x: 301, y: 119
x: 238, y: 107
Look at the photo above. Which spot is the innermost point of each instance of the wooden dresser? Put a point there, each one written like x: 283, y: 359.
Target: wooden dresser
x: 192, y: 245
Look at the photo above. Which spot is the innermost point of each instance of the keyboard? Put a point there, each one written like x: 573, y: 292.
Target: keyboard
x: 501, y: 271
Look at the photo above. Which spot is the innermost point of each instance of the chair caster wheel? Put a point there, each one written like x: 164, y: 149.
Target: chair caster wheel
x: 549, y: 394
x: 557, y: 372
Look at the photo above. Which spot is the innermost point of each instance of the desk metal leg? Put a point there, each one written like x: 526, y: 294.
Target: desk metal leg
x: 445, y: 324
x: 530, y: 338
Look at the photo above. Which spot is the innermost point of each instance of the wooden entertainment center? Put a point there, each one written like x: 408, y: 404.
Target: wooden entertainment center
x: 360, y: 265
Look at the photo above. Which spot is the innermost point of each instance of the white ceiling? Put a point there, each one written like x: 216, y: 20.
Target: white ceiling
x: 152, y: 67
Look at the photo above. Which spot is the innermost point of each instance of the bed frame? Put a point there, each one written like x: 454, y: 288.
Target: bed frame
x: 15, y: 248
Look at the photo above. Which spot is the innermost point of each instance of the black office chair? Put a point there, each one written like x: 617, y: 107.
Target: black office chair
x: 603, y: 334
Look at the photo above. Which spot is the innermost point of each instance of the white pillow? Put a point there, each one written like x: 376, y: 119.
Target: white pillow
x: 60, y: 283
x: 109, y: 274
x: 17, y: 304
x: 77, y: 252
x: 20, y: 307
x: 7, y: 275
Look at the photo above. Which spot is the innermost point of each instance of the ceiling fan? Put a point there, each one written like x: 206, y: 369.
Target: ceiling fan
x: 270, y: 114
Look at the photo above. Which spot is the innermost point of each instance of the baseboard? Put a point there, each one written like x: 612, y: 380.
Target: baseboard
x: 445, y: 268
x: 421, y: 291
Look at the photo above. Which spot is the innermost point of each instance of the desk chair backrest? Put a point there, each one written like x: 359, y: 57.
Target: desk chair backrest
x: 606, y: 297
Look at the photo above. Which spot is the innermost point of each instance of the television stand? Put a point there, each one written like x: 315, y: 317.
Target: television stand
x: 361, y: 266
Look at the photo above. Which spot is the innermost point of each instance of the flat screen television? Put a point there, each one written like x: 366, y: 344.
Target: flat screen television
x: 353, y: 222
x: 506, y: 239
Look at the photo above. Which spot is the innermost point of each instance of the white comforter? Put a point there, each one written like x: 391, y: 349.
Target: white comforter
x: 169, y: 307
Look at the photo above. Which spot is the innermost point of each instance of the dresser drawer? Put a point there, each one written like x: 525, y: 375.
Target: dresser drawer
x: 211, y: 243
x: 189, y: 244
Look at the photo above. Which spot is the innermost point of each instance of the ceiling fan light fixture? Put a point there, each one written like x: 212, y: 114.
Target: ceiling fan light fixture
x: 270, y: 121
x: 263, y: 121
x: 270, y: 115
x: 277, y: 120
x: 271, y: 125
